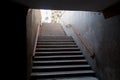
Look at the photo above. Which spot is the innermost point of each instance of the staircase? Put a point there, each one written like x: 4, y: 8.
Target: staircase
x: 59, y: 57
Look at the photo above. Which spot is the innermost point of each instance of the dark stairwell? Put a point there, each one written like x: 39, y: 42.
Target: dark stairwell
x: 92, y: 28
x: 103, y: 39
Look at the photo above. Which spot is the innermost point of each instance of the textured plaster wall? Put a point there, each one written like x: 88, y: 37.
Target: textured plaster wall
x: 33, y: 22
x: 102, y: 36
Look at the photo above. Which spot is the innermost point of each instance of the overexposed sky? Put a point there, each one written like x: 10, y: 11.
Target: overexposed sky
x: 46, y: 15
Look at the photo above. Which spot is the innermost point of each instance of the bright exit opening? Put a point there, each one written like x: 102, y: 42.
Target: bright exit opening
x: 51, y: 16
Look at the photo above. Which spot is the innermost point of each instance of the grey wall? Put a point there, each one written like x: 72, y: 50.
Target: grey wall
x: 102, y: 36
x: 33, y: 22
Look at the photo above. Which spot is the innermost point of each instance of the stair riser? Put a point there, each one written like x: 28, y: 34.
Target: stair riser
x: 65, y: 58
x: 40, y: 50
x: 62, y: 76
x: 40, y: 46
x: 60, y: 63
x: 55, y: 37
x: 57, y: 43
x: 53, y: 54
x: 61, y: 69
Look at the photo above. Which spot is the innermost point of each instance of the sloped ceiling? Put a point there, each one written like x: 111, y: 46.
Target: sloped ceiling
x: 83, y: 5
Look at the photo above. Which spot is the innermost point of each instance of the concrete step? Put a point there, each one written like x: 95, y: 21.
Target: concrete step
x: 56, y: 40
x: 38, y: 75
x: 58, y: 53
x: 57, y: 49
x: 73, y: 78
x: 59, y: 57
x: 55, y: 46
x: 59, y: 62
x: 56, y: 43
x: 60, y: 68
x: 54, y: 37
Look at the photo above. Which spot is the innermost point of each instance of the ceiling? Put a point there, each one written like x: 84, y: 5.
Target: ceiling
x: 83, y: 5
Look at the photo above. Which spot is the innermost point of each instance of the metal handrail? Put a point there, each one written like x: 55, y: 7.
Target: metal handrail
x: 39, y: 27
x: 92, y: 54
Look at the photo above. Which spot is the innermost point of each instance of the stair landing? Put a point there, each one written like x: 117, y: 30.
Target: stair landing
x: 52, y: 29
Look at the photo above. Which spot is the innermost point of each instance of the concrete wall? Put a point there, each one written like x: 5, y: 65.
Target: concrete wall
x: 102, y: 36
x: 33, y: 22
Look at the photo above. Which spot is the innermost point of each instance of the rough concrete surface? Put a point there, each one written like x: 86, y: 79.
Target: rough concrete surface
x: 102, y: 36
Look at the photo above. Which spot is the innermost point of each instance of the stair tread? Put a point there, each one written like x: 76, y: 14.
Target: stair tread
x: 56, y: 42
x: 59, y: 52
x: 60, y: 56
x: 57, y: 45
x: 74, y: 78
x: 63, y: 66
x: 51, y: 40
x: 57, y: 61
x: 54, y: 48
x: 62, y: 72
x: 55, y: 37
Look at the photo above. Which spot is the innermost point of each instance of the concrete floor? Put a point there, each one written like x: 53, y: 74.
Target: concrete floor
x: 77, y: 78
